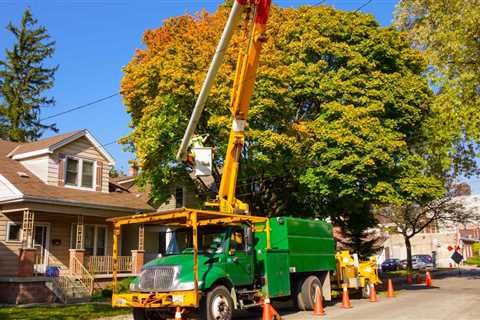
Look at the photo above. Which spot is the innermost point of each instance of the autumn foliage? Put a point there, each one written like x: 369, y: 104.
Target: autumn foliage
x: 337, y: 103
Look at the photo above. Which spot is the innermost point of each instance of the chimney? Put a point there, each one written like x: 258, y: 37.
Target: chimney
x: 133, y: 170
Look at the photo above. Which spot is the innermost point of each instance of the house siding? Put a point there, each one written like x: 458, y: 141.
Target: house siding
x: 38, y: 166
x: 190, y: 199
x: 52, y: 174
x: 8, y: 250
x: 6, y: 191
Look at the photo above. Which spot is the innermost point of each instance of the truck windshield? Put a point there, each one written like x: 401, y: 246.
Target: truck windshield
x: 210, y: 240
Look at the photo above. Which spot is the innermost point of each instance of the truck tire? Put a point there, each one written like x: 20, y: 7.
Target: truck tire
x: 305, y: 295
x: 366, y: 290
x: 217, y: 305
x: 139, y: 314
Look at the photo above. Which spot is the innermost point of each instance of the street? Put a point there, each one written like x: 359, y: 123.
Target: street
x: 451, y: 297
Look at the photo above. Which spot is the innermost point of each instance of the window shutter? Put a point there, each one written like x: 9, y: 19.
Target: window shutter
x: 61, y: 170
x: 99, y: 175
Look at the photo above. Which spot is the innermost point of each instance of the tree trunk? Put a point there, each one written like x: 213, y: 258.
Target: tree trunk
x: 408, y: 246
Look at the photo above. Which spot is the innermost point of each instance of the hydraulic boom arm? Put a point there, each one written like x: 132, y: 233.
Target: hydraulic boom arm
x: 241, y: 95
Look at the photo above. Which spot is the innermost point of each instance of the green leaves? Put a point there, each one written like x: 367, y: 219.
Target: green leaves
x: 448, y: 35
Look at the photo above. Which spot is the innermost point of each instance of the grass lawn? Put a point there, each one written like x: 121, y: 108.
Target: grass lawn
x: 475, y: 260
x: 77, y: 312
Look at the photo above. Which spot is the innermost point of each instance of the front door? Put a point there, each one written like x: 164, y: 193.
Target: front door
x: 239, y: 258
x: 41, y: 242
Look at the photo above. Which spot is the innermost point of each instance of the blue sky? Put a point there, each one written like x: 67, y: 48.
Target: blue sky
x: 94, y: 39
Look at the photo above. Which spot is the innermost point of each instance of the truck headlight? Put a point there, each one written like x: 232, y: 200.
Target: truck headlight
x: 184, y: 286
x: 121, y: 302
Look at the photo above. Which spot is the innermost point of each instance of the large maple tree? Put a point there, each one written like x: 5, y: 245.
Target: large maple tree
x: 338, y: 102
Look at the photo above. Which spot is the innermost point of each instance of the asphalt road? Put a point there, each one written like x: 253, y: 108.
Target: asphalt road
x: 452, y: 297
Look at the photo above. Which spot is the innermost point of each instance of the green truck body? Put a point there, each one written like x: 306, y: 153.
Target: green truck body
x: 298, y: 246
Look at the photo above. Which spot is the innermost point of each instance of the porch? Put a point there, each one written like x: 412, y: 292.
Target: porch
x: 88, y: 244
x: 38, y: 243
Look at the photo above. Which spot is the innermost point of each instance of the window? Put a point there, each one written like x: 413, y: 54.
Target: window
x: 72, y: 172
x: 237, y: 240
x: 89, y: 240
x: 87, y: 174
x: 94, y: 239
x: 79, y: 173
x: 179, y: 198
x: 101, y: 241
x: 13, y: 231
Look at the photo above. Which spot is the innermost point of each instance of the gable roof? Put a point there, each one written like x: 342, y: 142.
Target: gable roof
x: 49, y: 145
x: 34, y: 189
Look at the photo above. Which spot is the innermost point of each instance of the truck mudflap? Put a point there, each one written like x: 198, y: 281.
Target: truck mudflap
x: 155, y: 299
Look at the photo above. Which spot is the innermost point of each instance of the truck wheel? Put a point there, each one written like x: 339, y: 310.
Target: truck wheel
x: 139, y: 314
x: 218, y: 304
x: 366, y: 290
x: 306, y: 295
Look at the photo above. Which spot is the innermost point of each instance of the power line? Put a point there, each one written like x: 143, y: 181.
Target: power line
x: 80, y: 107
x: 110, y: 143
x: 363, y: 5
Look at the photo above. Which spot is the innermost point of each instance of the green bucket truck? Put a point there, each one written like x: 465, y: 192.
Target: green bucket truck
x: 217, y: 263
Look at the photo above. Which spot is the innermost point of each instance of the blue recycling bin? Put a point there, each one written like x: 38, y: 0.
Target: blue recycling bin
x: 52, y: 271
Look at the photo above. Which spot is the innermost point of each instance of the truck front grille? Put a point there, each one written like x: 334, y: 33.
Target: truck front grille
x: 158, y: 278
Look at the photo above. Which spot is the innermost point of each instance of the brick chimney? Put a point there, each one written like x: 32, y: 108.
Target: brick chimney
x: 133, y: 170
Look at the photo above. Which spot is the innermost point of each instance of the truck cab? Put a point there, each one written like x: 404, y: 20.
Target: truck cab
x: 225, y: 256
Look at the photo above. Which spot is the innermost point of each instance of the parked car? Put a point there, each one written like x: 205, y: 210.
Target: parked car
x: 418, y: 264
x: 391, y: 265
x: 403, y: 264
x: 425, y: 259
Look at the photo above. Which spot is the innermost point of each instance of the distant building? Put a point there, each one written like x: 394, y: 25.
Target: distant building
x: 437, y: 240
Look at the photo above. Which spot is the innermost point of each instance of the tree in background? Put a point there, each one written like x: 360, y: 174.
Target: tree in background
x: 338, y: 102
x: 23, y: 80
x: 449, y: 35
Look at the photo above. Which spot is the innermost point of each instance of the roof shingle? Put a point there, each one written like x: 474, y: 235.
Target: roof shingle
x: 42, y: 144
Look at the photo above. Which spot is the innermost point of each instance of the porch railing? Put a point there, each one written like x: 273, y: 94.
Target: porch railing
x: 104, y: 264
x: 79, y: 270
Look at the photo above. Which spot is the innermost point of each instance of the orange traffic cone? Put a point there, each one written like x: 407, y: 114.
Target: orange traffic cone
x: 390, y: 291
x: 345, y: 299
x: 428, y: 279
x: 373, y: 293
x: 318, y: 308
x: 409, y: 279
x: 269, y: 312
x: 419, y: 278
x: 178, y: 314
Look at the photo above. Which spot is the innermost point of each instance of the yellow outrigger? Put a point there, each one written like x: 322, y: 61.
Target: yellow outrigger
x: 183, y: 217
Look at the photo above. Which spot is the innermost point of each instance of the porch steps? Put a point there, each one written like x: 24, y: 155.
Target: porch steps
x: 69, y: 289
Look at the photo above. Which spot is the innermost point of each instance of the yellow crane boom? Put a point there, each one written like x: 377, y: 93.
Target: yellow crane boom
x: 242, y: 92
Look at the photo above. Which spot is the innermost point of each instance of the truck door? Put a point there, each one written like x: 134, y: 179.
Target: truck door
x: 239, y: 264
